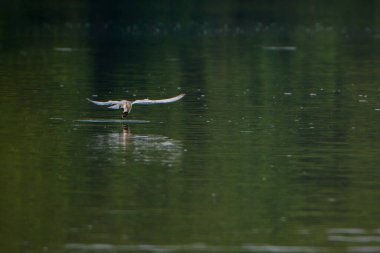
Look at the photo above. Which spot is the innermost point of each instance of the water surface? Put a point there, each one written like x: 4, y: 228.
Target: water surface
x: 275, y: 147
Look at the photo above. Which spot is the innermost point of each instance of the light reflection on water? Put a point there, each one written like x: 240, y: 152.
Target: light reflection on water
x: 188, y: 248
x: 350, y: 236
x: 148, y: 148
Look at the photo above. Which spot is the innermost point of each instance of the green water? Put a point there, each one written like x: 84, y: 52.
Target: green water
x: 274, y: 148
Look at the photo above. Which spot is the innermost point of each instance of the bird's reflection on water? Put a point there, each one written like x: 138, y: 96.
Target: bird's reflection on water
x: 145, y: 148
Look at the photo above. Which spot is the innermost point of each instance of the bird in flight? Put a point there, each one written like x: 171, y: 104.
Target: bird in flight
x: 127, y: 105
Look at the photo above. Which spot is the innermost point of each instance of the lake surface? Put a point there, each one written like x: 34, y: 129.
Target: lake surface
x: 274, y: 148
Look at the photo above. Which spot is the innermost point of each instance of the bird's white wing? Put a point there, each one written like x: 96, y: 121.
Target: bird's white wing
x: 113, y: 104
x: 159, y: 101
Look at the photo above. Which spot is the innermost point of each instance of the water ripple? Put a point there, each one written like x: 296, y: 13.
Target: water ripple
x: 198, y: 247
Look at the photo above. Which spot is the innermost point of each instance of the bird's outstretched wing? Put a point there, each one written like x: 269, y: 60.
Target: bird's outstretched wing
x: 112, y: 104
x: 159, y: 101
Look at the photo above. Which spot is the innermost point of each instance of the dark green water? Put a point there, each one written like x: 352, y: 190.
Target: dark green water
x: 275, y: 148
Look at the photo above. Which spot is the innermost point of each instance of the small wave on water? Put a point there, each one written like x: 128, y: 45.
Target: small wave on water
x: 354, y: 235
x: 280, y: 48
x: 123, y: 121
x: 63, y: 49
x: 344, y: 239
x: 198, y: 247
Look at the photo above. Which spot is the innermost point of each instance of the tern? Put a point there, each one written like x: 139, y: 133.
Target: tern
x: 127, y: 105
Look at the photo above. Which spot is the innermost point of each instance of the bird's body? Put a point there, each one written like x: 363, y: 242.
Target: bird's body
x: 127, y: 105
